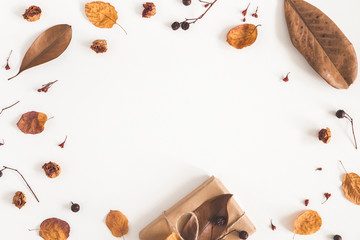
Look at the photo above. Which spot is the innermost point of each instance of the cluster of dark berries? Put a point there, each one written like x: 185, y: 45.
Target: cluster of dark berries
x: 184, y: 25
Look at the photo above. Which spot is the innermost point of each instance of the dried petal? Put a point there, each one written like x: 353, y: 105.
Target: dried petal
x: 307, y: 223
x: 351, y: 187
x: 149, y: 10
x: 54, y: 229
x: 101, y: 14
x: 32, y: 14
x: 19, y: 199
x: 117, y: 223
x: 242, y: 36
x: 325, y: 135
x: 52, y: 170
x: 32, y: 122
x: 99, y: 46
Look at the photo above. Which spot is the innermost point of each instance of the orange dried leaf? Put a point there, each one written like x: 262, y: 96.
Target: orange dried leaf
x: 101, y: 14
x: 117, y: 223
x: 32, y: 122
x: 351, y: 187
x: 242, y: 36
x: 54, y: 228
x: 307, y: 223
x: 173, y: 236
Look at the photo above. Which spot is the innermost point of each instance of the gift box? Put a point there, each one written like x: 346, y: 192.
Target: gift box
x: 167, y: 222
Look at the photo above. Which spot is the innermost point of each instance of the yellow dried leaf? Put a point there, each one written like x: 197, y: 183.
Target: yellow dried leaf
x: 307, y: 223
x: 242, y: 36
x: 117, y: 223
x: 101, y: 14
x: 54, y: 228
x: 173, y: 236
x: 351, y: 187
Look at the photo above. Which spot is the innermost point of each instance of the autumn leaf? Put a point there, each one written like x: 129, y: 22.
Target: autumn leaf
x: 117, y: 223
x: 173, y: 236
x: 307, y: 223
x: 54, y: 229
x: 351, y: 187
x: 32, y: 122
x: 242, y: 36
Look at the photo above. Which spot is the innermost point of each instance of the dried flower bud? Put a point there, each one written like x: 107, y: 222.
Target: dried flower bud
x: 325, y: 135
x: 52, y: 170
x: 32, y: 14
x: 19, y: 199
x: 149, y: 10
x: 99, y: 46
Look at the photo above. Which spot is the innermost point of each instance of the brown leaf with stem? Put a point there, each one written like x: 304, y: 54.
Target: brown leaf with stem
x: 208, y: 215
x: 307, y: 223
x: 351, y: 186
x: 32, y: 122
x: 117, y: 223
x: 242, y: 35
x: 54, y: 229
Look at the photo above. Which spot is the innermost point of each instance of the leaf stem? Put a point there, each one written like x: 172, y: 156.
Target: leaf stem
x: 194, y: 20
x: 8, y: 107
x: 343, y: 166
x: 347, y: 116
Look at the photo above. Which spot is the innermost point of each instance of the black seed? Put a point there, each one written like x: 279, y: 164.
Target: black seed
x: 1, y: 173
x: 337, y: 237
x: 175, y: 26
x: 340, y: 113
x: 186, y: 2
x: 243, y: 235
x: 75, y: 207
x: 185, y: 25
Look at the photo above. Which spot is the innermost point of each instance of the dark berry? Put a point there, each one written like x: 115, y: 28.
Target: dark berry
x: 175, y: 25
x: 185, y: 25
x: 186, y: 2
x: 219, y: 221
x: 243, y: 235
x: 75, y: 207
x: 340, y: 113
x: 337, y: 237
x: 1, y: 173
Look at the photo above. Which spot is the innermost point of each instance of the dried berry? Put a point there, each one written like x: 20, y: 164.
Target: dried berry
x: 337, y: 237
x: 149, y: 10
x: 219, y: 221
x: 327, y: 196
x: 244, y: 12
x: 286, y: 78
x: 7, y: 66
x: 255, y: 15
x: 307, y: 202
x: 1, y: 173
x: 175, y: 26
x: 62, y: 145
x: 319, y: 169
x: 325, y: 135
x: 185, y: 25
x: 32, y: 14
x: 273, y: 227
x: 75, y: 207
x: 99, y: 46
x: 19, y: 199
x: 52, y: 170
x: 243, y: 235
x: 186, y: 2
x: 340, y: 113
x: 44, y: 88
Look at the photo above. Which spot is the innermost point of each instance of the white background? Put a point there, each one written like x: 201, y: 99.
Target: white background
x: 162, y: 110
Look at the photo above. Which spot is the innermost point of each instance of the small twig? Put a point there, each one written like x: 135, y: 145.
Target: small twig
x: 194, y: 20
x: 45, y: 87
x: 352, y: 126
x: 9, y: 107
x: 343, y: 166
x: 13, y: 169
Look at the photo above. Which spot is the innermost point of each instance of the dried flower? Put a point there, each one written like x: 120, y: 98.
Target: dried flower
x: 32, y: 14
x: 52, y: 170
x: 327, y: 196
x: 19, y: 199
x: 149, y: 10
x: 99, y: 46
x: 325, y: 135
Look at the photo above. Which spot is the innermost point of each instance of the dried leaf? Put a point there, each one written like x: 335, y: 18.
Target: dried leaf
x: 48, y: 46
x: 52, y: 170
x: 307, y: 223
x: 101, y: 14
x: 322, y: 43
x: 242, y: 36
x: 206, y: 215
x: 351, y: 187
x: 32, y: 122
x: 54, y: 229
x: 19, y: 199
x: 117, y: 223
x: 173, y: 236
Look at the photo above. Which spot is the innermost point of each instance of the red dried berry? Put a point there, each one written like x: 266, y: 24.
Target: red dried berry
x: 318, y: 169
x: 62, y: 145
x: 245, y: 11
x: 307, y: 202
x: 286, y: 79
x: 255, y: 15
x: 327, y: 196
x: 273, y: 227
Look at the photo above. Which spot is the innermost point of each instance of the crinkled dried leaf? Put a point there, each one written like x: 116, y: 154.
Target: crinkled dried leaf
x: 206, y: 213
x: 117, y: 223
x: 173, y: 236
x: 351, y: 187
x: 19, y: 199
x: 51, y: 169
x: 54, y: 229
x: 32, y: 122
x: 242, y: 36
x: 101, y: 14
x: 307, y: 223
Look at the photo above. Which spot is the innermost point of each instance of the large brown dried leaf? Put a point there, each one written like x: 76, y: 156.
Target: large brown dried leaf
x: 242, y: 36
x: 54, y: 229
x: 322, y: 43
x: 101, y: 14
x: 206, y: 213
x: 117, y: 223
x: 32, y: 122
x: 48, y: 46
x: 307, y: 223
x: 351, y: 187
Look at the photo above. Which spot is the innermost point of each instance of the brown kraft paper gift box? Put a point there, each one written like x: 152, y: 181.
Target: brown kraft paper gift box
x: 163, y: 226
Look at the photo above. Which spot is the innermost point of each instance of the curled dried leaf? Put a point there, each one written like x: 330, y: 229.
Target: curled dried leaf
x: 117, y: 223
x: 351, y: 187
x: 54, y: 229
x: 149, y: 10
x: 173, y: 236
x: 99, y: 46
x: 32, y: 14
x: 325, y: 135
x: 52, y: 170
x: 307, y: 223
x: 19, y: 199
x: 32, y: 122
x: 101, y: 14
x: 242, y: 36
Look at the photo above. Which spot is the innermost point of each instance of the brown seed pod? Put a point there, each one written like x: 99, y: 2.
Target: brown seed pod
x: 99, y: 46
x: 32, y: 14
x: 19, y: 199
x: 325, y: 135
x: 52, y: 170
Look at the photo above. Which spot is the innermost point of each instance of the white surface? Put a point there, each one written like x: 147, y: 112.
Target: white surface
x: 159, y: 112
